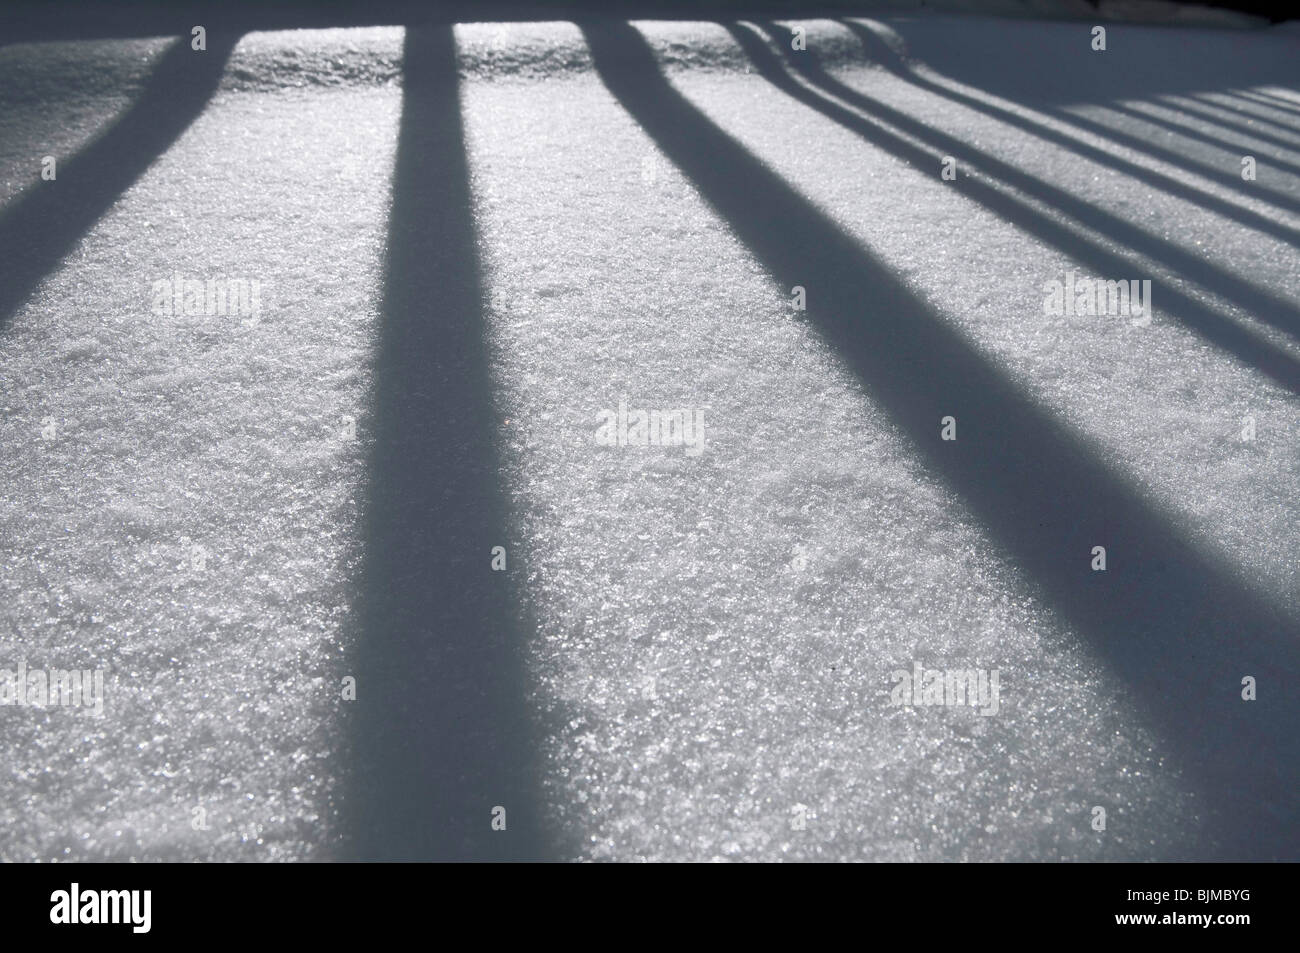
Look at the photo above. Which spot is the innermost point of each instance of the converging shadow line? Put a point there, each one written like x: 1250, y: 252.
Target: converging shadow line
x: 1262, y: 305
x: 1208, y: 111
x: 1159, y: 180
x: 442, y: 747
x: 1174, y: 158
x: 1161, y: 621
x: 1251, y: 108
x: 42, y: 224
x: 1246, y: 345
x: 1266, y: 99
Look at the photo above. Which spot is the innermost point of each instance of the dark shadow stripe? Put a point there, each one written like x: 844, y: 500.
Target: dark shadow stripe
x: 1208, y: 110
x: 1247, y: 345
x: 1176, y: 625
x: 1228, y: 172
x: 1268, y: 99
x: 42, y: 224
x: 441, y: 734
x: 1260, y: 304
x: 1188, y: 193
x: 1244, y: 105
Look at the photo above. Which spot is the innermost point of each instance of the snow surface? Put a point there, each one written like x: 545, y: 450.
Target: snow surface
x: 685, y: 653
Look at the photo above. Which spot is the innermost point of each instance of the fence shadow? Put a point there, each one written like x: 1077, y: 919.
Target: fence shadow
x: 42, y: 224
x: 1179, y: 628
x: 1039, y: 62
x: 892, y: 61
x: 1268, y: 155
x: 440, y: 736
x: 1251, y: 347
x: 1016, y: 62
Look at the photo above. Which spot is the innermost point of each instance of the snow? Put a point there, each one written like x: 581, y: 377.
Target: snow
x: 705, y: 643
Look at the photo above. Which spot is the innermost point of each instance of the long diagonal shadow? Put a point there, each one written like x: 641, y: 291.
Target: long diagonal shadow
x: 43, y: 224
x: 1199, y: 124
x: 1208, y: 111
x: 1176, y: 625
x: 1269, y: 99
x: 1018, y: 65
x: 1205, y: 126
x: 1261, y: 98
x: 875, y: 45
x: 1237, y: 339
x: 1180, y: 159
x: 1262, y: 305
x: 1249, y: 106
x: 440, y: 736
x: 1188, y: 193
